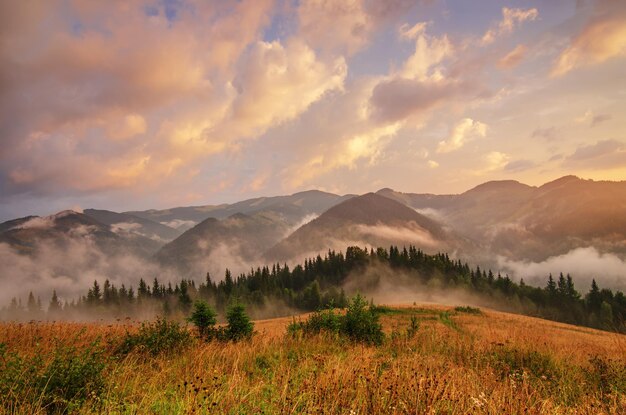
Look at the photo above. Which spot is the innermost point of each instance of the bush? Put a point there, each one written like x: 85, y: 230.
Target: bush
x: 360, y: 323
x: 468, y: 310
x: 239, y: 325
x: 61, y: 385
x: 512, y: 361
x: 204, y: 318
x: 160, y: 336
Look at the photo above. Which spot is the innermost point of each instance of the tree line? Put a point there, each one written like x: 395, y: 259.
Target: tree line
x: 317, y: 284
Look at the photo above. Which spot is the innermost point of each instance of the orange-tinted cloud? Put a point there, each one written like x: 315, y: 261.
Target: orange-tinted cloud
x: 513, y: 58
x: 602, y: 38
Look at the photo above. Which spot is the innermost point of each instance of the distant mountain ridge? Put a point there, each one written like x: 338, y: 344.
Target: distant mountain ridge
x: 293, y: 207
x: 526, y: 222
x: 504, y: 219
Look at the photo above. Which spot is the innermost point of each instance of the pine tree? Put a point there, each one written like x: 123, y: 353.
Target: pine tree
x: 54, y: 308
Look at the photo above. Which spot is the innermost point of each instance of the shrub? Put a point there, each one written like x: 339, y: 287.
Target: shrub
x: 360, y: 323
x: 468, y: 310
x: 61, y: 385
x: 414, y: 326
x: 160, y: 336
x: 204, y: 318
x: 239, y: 325
x: 607, y: 374
x: 513, y: 361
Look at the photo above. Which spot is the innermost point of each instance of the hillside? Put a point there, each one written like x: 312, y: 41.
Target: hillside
x: 292, y: 208
x: 370, y: 219
x: 456, y: 362
x: 125, y: 223
x: 34, y: 234
x: 524, y: 222
x: 232, y: 242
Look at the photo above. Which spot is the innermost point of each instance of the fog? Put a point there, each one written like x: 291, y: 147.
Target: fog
x: 71, y: 262
x: 70, y: 268
x: 583, y: 264
x: 391, y: 286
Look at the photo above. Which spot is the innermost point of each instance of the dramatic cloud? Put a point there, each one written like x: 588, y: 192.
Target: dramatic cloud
x: 153, y: 104
x: 466, y: 130
x: 603, y: 38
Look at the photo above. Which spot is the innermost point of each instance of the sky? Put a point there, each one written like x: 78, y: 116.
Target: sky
x: 128, y: 105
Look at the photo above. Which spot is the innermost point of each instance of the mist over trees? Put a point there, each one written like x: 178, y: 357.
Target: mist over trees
x: 320, y: 282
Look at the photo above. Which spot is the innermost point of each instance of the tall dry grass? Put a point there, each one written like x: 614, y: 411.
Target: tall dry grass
x: 491, y: 363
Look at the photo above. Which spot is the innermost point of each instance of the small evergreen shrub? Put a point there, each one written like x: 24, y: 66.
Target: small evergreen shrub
x: 239, y: 325
x: 204, y: 318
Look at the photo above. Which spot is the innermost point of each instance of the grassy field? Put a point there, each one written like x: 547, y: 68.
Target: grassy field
x: 458, y: 361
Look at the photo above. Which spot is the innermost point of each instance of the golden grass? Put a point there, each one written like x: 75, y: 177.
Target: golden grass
x: 459, y: 368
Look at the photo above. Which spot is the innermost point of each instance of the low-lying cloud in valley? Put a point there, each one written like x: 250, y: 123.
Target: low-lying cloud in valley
x: 584, y: 264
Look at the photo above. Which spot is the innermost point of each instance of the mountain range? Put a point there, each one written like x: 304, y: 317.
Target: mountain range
x: 495, y: 219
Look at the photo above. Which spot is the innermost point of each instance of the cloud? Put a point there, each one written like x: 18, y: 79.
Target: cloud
x: 513, y: 58
x: 466, y: 130
x: 180, y: 224
x: 592, y: 119
x: 432, y: 164
x: 400, y: 98
x: 346, y: 26
x: 602, y: 38
x: 429, y: 52
x: 583, y: 264
x: 345, y: 154
x: 493, y: 161
x: 601, y: 155
x: 276, y: 83
x: 519, y: 165
x: 127, y: 97
x: 106, y: 82
x: 127, y: 127
x: 548, y: 133
x: 510, y: 19
x: 412, y: 234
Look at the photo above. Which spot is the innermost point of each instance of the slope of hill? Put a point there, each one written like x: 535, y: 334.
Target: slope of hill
x: 369, y: 219
x: 455, y: 362
x: 230, y: 242
x: 125, y: 223
x: 293, y: 208
x: 32, y: 234
x: 524, y: 222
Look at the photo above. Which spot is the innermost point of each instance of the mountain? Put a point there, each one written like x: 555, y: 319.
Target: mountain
x: 123, y: 223
x: 370, y: 219
x: 532, y: 223
x: 28, y: 233
x: 233, y: 242
x: 293, y: 208
x: 32, y: 234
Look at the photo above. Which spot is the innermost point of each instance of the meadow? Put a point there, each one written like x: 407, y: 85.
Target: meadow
x: 434, y: 359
